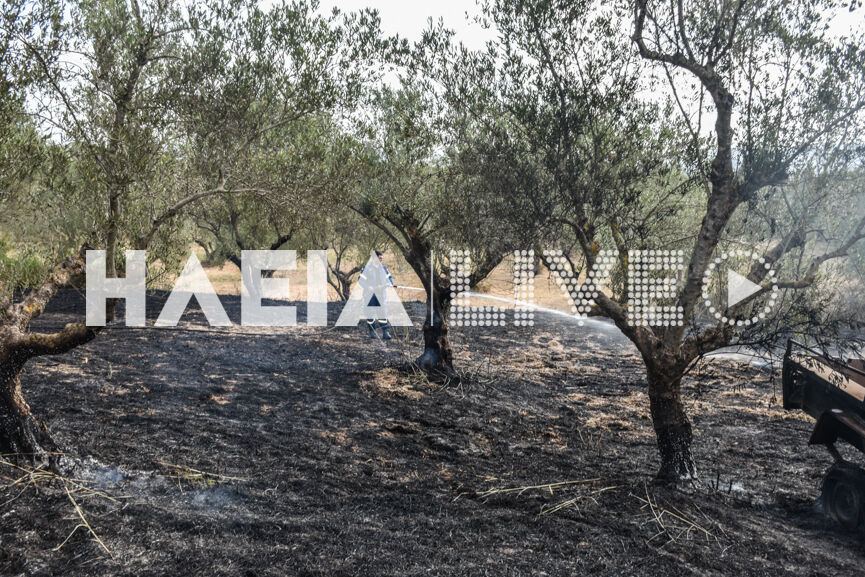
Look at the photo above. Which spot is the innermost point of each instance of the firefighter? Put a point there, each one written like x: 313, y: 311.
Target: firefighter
x: 372, y: 300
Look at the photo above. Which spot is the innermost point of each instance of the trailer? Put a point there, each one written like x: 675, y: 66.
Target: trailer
x: 833, y: 392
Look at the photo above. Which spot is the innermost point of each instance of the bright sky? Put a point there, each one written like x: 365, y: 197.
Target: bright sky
x: 844, y: 22
x: 409, y: 19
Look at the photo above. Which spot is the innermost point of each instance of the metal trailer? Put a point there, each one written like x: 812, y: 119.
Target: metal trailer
x: 833, y: 392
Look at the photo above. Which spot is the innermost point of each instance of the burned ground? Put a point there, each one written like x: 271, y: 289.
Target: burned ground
x: 312, y: 451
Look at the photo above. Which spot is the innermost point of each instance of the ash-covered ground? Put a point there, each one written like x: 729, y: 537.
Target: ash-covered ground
x: 312, y: 451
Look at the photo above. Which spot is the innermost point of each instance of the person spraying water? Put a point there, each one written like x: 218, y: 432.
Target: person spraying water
x: 376, y: 276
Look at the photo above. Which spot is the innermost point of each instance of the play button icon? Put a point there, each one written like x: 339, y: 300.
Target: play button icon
x: 739, y: 288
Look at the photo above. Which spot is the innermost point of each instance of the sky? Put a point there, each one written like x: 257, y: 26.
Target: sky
x: 409, y: 19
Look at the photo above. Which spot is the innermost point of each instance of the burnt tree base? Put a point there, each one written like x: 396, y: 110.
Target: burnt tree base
x: 437, y: 356
x: 23, y: 437
x: 677, y: 462
x: 673, y: 431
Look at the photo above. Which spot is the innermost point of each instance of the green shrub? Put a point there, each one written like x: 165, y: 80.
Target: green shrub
x: 20, y: 270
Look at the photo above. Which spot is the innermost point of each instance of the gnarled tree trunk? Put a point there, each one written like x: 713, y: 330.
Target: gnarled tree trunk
x: 437, y: 354
x: 672, y: 427
x: 21, y: 434
x: 416, y: 246
x: 341, y: 280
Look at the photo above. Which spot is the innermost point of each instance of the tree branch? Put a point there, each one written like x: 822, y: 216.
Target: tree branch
x: 143, y: 241
x: 39, y: 344
x: 811, y: 275
x: 70, y: 269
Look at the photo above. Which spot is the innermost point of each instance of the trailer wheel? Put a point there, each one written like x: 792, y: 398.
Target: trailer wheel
x: 843, y: 495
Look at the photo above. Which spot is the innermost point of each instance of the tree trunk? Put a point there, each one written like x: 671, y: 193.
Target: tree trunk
x: 344, y: 288
x: 208, y: 251
x: 22, y: 436
x: 437, y: 354
x: 111, y: 238
x: 342, y: 285
x: 672, y: 428
x: 236, y: 261
x: 341, y: 280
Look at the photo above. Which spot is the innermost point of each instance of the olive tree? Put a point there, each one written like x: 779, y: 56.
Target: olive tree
x: 781, y: 91
x: 418, y: 189
x: 576, y: 82
x: 156, y: 106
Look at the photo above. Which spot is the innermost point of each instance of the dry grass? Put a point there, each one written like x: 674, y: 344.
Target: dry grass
x: 84, y: 524
x: 585, y: 493
x: 547, y: 487
x: 393, y: 384
x: 31, y: 478
x: 193, y: 477
x: 575, y: 502
x: 672, y: 525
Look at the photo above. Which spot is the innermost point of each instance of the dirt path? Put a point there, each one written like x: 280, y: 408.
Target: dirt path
x: 329, y: 460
